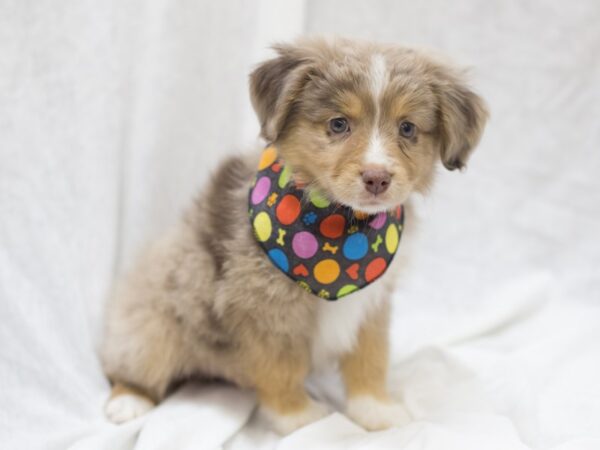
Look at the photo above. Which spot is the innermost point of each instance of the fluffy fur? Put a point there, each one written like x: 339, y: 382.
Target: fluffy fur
x: 205, y: 301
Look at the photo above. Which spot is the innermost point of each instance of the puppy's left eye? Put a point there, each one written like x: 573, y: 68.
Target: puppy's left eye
x: 339, y: 125
x: 407, y: 129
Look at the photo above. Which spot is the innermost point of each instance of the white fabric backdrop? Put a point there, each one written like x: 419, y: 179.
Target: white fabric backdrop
x: 113, y: 113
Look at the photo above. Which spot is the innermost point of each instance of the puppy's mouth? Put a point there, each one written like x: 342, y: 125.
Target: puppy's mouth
x: 370, y: 204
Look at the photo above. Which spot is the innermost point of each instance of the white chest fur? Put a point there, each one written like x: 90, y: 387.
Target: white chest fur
x: 338, y: 323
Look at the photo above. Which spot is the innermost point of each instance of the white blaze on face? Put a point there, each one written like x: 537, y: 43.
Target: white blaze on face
x: 378, y: 77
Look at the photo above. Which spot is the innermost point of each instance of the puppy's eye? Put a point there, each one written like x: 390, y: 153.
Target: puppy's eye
x: 339, y: 125
x: 407, y: 129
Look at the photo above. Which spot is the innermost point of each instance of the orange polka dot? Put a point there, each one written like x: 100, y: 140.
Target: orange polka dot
x: 327, y: 271
x: 288, y: 209
x: 398, y: 212
x: 332, y: 226
x: 268, y: 157
x: 375, y: 269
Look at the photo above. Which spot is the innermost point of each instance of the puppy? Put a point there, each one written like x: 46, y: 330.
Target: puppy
x: 285, y: 262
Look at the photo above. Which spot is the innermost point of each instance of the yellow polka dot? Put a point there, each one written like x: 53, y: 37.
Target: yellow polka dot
x: 268, y: 157
x: 318, y: 199
x: 262, y: 226
x: 391, y: 239
x: 360, y: 215
x: 327, y: 271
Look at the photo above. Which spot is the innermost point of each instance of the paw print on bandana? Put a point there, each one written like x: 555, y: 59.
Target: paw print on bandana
x: 272, y: 199
x: 309, y: 218
x: 324, y: 294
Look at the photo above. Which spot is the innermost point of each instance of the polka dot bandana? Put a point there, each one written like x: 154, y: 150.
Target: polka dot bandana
x: 327, y: 249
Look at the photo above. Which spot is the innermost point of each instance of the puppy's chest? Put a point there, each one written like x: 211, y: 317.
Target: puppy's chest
x: 339, y: 322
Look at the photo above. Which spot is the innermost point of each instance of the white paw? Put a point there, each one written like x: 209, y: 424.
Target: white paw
x: 373, y: 414
x: 286, y: 423
x: 125, y: 407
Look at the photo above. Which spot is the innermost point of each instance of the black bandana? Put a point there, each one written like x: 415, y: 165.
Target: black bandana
x: 328, y: 249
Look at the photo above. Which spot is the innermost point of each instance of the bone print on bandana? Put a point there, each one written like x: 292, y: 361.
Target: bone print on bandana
x: 327, y: 249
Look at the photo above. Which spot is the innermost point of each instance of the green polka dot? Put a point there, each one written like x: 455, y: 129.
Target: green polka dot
x: 284, y: 177
x: 347, y: 289
x: 318, y: 199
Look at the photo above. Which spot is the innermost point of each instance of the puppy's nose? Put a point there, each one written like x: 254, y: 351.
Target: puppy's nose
x: 376, y: 180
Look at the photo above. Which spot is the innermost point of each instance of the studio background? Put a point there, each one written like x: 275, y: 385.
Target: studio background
x: 113, y: 114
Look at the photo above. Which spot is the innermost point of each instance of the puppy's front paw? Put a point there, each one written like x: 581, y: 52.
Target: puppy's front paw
x: 124, y: 407
x: 286, y: 423
x: 373, y: 414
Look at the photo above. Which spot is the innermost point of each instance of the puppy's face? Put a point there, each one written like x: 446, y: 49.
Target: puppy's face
x: 363, y: 123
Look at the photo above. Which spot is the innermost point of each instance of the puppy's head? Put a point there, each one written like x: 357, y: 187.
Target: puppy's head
x: 365, y: 123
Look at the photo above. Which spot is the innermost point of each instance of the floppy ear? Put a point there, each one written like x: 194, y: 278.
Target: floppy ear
x: 463, y: 115
x: 274, y: 87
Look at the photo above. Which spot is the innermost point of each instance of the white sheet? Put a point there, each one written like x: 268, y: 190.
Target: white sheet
x: 112, y: 114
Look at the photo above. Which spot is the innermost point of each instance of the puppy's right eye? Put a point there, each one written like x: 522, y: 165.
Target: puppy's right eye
x: 407, y: 129
x: 339, y: 125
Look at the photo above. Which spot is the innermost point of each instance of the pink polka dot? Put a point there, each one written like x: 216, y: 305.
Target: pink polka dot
x: 305, y: 244
x: 379, y: 221
x: 260, y: 191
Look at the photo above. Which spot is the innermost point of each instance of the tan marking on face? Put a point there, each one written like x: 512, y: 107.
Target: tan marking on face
x: 408, y: 101
x: 351, y: 105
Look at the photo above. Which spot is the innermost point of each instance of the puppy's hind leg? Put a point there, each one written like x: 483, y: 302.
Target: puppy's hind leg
x: 126, y: 403
x: 142, y: 365
x: 143, y: 353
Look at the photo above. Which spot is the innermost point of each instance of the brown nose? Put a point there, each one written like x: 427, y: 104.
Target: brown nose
x: 376, y: 180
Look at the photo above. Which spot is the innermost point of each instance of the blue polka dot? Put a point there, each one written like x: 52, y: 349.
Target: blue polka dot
x: 356, y: 246
x: 279, y: 259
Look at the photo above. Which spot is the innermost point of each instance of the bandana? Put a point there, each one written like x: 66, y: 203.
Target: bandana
x: 328, y: 249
